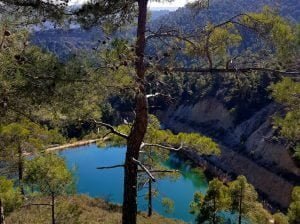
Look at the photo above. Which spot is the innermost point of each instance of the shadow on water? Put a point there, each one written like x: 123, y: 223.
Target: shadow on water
x: 195, y: 175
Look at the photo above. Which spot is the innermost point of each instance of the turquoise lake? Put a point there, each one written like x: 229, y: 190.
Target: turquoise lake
x: 108, y: 184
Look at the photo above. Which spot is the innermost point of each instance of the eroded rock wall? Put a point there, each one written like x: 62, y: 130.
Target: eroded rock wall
x: 250, y: 148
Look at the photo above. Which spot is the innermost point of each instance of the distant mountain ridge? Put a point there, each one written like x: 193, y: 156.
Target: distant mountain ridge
x: 222, y: 10
x: 157, y: 13
x: 64, y: 42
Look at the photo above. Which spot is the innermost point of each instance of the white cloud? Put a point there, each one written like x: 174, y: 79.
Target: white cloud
x: 173, y: 4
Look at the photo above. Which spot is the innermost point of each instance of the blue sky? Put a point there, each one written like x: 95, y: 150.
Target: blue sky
x: 154, y: 5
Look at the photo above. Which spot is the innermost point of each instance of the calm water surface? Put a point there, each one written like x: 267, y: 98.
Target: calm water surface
x: 108, y: 184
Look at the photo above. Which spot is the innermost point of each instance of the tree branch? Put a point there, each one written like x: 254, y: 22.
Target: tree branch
x: 145, y: 169
x: 161, y: 171
x: 162, y: 146
x: 56, y: 78
x: 229, y: 70
x: 157, y: 94
x: 111, y: 128
x: 109, y: 167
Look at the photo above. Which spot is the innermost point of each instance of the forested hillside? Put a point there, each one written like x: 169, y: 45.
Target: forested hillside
x: 67, y: 41
x: 198, y: 109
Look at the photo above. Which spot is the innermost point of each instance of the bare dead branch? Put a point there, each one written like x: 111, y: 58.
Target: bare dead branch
x: 158, y: 94
x: 230, y: 70
x: 144, y: 168
x: 170, y: 148
x: 109, y: 167
x: 111, y: 128
x: 161, y: 171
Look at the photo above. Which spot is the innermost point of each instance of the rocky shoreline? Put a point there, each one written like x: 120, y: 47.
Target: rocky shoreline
x: 213, y: 168
x: 250, y: 148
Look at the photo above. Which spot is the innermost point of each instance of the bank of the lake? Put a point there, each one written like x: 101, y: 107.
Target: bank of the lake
x: 108, y: 184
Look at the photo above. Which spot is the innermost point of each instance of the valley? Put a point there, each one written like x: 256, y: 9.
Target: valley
x: 112, y: 112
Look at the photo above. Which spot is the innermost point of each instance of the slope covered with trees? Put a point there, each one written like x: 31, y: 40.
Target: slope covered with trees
x: 42, y: 96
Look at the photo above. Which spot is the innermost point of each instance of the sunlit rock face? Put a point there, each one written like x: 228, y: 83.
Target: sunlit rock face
x: 251, y: 148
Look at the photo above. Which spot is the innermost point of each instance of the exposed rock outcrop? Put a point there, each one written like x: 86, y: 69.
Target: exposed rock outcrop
x: 250, y: 148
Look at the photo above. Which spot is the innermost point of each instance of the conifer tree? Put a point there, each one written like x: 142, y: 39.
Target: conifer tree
x: 9, y: 197
x: 21, y: 138
x: 120, y: 12
x: 294, y: 208
x: 280, y: 218
x: 243, y: 197
x: 208, y: 207
x: 287, y: 93
x: 49, y: 175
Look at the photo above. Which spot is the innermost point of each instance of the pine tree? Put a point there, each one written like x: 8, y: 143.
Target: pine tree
x: 208, y: 207
x: 9, y: 197
x: 49, y: 175
x: 294, y: 208
x: 280, y: 218
x: 287, y: 93
x: 120, y: 12
x: 243, y: 197
x: 21, y: 138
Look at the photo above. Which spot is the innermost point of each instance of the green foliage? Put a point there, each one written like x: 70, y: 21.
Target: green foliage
x: 26, y: 75
x: 92, y: 13
x: 201, y: 144
x: 217, y: 43
x: 287, y: 92
x: 244, y: 201
x: 36, y: 85
x: 259, y: 215
x: 208, y: 207
x: 243, y: 196
x: 294, y: 209
x: 297, y: 152
x: 9, y: 196
x: 29, y: 136
x: 280, y: 218
x: 282, y: 36
x: 195, y: 205
x: 77, y: 96
x: 156, y: 135
x: 168, y: 205
x: 25, y: 137
x: 237, y: 196
x: 48, y: 174
x: 68, y: 212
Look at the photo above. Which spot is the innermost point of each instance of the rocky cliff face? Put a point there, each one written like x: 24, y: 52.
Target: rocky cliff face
x: 250, y: 148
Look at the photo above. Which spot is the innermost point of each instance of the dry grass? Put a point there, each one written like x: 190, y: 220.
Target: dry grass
x: 79, y: 210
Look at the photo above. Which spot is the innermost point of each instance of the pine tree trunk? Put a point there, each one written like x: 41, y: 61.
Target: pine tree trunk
x: 240, y: 205
x: 20, y: 169
x: 139, y: 128
x: 150, y: 198
x: 53, y: 208
x: 215, y: 211
x: 2, y: 220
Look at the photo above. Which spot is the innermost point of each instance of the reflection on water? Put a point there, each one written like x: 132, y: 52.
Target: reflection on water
x: 108, y: 184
